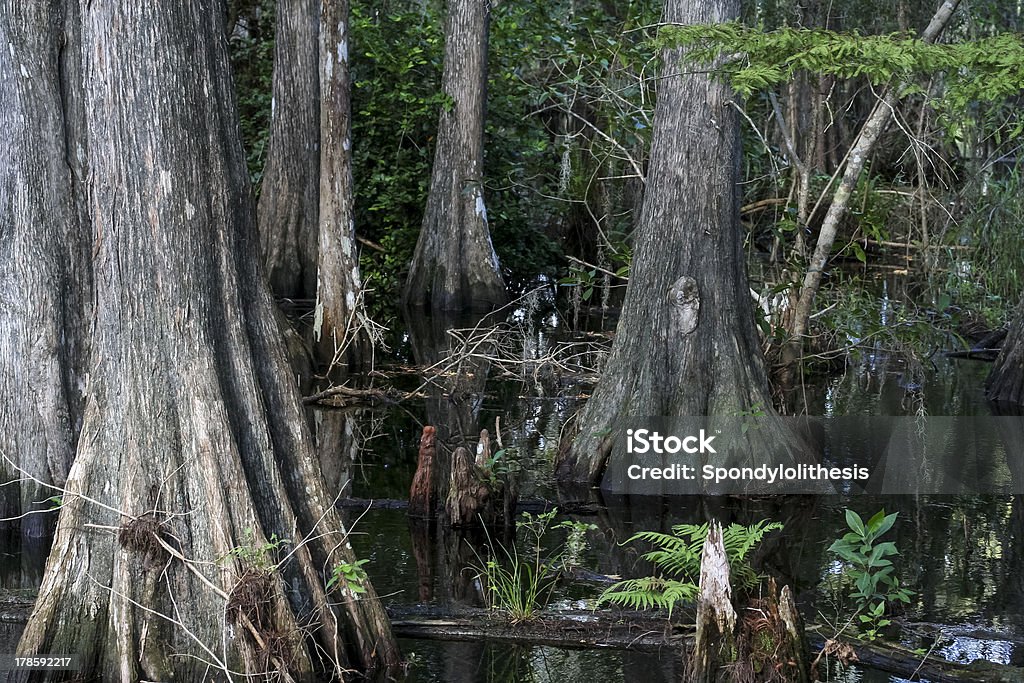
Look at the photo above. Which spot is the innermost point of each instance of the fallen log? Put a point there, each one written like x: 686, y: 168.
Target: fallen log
x: 895, y: 659
x: 575, y: 629
x: 341, y: 396
x: 650, y: 632
x: 622, y: 630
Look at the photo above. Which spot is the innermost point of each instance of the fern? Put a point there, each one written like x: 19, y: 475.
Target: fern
x: 652, y: 592
x: 678, y: 555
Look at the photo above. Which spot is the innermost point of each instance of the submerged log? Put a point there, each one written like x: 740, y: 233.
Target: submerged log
x: 903, y: 662
x: 575, y: 629
x: 421, y: 493
x: 625, y: 630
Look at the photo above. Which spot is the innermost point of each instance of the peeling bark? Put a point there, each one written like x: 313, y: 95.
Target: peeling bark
x: 455, y: 267
x: 714, y: 644
x: 194, y: 449
x: 339, y: 330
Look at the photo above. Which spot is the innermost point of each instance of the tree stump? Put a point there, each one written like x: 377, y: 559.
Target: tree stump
x: 421, y: 493
x: 469, y: 492
x: 793, y: 649
x: 715, y: 643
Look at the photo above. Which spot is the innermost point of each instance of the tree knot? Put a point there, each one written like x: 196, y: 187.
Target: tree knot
x: 684, y: 300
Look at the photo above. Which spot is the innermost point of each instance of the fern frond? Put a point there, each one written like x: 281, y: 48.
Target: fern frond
x: 740, y: 540
x: 652, y: 592
x: 665, y: 541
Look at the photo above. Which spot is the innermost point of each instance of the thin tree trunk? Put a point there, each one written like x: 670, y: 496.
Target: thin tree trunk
x: 339, y: 327
x: 290, y: 189
x: 195, y: 456
x: 44, y: 251
x: 857, y: 157
x: 455, y: 266
x: 686, y: 343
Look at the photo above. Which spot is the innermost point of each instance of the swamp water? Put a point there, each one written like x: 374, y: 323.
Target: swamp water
x: 963, y: 557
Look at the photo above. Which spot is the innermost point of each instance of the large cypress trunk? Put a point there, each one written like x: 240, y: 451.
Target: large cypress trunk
x: 44, y: 271
x: 290, y: 189
x: 454, y: 266
x: 194, y: 453
x: 686, y: 343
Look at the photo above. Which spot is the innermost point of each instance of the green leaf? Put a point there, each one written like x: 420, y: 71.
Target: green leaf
x: 854, y: 521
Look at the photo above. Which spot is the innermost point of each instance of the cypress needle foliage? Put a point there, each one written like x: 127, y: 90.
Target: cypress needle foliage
x: 752, y: 59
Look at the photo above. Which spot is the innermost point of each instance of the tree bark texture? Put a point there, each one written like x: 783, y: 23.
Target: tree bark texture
x: 290, y: 190
x: 686, y: 343
x: 339, y: 328
x: 421, y: 493
x: 44, y: 251
x: 1005, y: 383
x: 455, y: 266
x: 194, y: 453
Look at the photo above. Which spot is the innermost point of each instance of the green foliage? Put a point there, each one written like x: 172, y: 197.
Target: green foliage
x: 987, y: 277
x: 258, y: 556
x: 651, y: 592
x: 576, y: 543
x: 870, y: 569
x: 985, y: 70
x: 518, y: 585
x: 396, y: 59
x: 350, y: 575
x: 252, y: 62
x: 678, y: 555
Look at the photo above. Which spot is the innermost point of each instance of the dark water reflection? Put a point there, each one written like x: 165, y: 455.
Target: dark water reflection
x: 964, y: 557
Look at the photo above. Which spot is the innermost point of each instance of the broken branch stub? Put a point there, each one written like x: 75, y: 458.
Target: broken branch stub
x: 715, y: 642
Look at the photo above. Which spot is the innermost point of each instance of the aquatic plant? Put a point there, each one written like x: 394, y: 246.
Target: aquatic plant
x: 521, y: 585
x: 872, y: 573
x: 677, y: 556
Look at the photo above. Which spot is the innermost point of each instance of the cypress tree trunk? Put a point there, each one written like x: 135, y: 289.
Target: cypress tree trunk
x: 289, y: 194
x: 686, y: 343
x: 1005, y: 383
x: 44, y: 251
x: 194, y: 452
x: 340, y: 326
x: 454, y: 266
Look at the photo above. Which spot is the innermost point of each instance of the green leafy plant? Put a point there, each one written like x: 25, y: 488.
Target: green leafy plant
x: 349, y: 575
x: 519, y: 585
x: 677, y: 556
x: 576, y: 542
x: 870, y: 569
x: 257, y: 556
